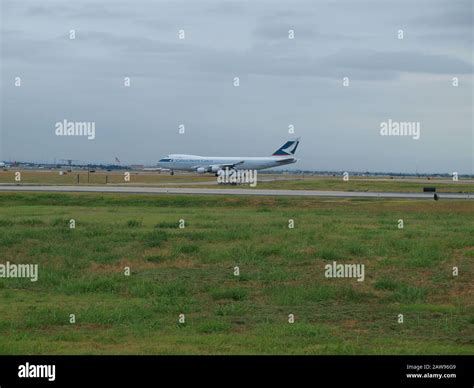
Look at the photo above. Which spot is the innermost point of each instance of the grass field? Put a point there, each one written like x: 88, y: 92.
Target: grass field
x: 288, y: 182
x: 408, y: 185
x: 99, y: 178
x: 190, y: 271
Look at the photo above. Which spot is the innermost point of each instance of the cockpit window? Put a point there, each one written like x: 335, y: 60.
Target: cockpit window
x: 165, y: 160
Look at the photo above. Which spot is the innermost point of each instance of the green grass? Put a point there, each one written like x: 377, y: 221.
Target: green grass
x: 354, y: 184
x: 370, y: 184
x: 97, y: 178
x: 191, y: 271
x: 266, y: 181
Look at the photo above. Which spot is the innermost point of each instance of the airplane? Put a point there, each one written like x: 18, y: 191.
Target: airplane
x: 213, y: 164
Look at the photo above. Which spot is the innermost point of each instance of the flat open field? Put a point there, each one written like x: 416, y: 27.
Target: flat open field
x: 190, y: 271
x: 100, y: 177
x: 266, y: 181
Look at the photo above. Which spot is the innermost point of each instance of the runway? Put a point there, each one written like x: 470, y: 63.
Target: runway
x: 225, y: 191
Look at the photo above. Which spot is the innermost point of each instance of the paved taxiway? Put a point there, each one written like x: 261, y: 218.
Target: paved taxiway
x: 225, y: 191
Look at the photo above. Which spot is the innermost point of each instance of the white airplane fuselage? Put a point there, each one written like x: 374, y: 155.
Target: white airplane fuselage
x: 213, y: 164
x: 194, y: 162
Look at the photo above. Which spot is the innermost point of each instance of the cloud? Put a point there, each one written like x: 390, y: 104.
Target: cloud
x: 87, y: 10
x: 399, y: 61
x: 279, y: 31
x: 459, y: 17
x: 156, y: 58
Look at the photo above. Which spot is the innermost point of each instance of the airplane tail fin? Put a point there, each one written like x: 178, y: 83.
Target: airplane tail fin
x: 287, y: 149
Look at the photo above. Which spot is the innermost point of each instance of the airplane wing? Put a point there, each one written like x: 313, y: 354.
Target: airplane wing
x: 217, y: 167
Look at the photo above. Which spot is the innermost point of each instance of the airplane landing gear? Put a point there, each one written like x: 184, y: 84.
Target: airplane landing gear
x: 171, y: 172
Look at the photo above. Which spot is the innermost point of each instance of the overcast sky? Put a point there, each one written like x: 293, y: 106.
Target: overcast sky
x: 282, y: 81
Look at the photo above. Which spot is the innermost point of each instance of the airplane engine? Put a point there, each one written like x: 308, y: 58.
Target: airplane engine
x: 201, y: 170
x: 216, y: 168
